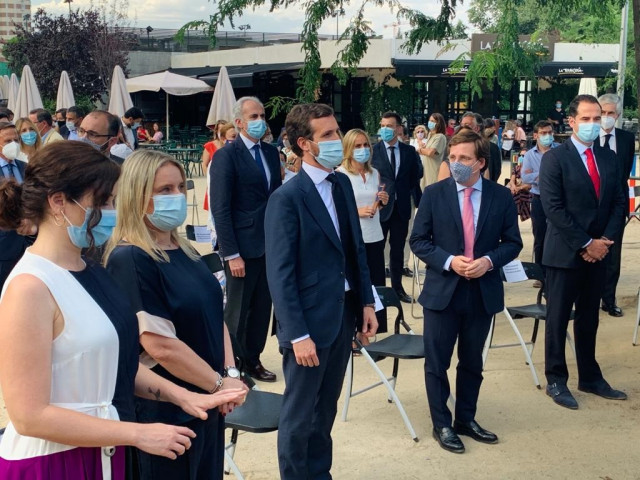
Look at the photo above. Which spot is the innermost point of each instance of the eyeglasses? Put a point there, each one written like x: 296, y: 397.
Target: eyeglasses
x: 91, y: 134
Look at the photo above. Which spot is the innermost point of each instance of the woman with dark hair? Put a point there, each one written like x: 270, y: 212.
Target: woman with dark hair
x: 433, y: 149
x: 68, y: 349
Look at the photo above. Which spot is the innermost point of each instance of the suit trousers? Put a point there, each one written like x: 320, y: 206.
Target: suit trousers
x: 248, y: 309
x: 539, y: 227
x: 310, y: 403
x: 581, y: 286
x: 466, y: 321
x: 396, y: 229
x: 375, y: 262
x: 612, y: 275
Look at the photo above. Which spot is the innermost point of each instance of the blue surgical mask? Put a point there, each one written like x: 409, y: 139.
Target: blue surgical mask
x: 545, y: 140
x: 558, y: 105
x: 101, y: 232
x: 135, y: 125
x: 431, y: 125
x: 361, y: 155
x: 386, y: 133
x: 588, y: 132
x: 100, y: 148
x: 169, y: 211
x: 256, y: 128
x: 29, y: 138
x: 71, y: 126
x: 460, y: 172
x: 330, y: 154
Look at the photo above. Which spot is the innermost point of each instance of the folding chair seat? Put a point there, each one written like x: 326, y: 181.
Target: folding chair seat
x: 536, y: 311
x: 397, y: 346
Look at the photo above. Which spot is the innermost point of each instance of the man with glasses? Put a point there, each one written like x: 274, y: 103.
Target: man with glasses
x: 44, y: 123
x: 100, y: 129
x: 466, y: 229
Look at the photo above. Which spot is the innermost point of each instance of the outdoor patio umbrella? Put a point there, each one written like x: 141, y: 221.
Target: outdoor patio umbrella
x: 588, y: 86
x: 223, y: 99
x: 171, y: 83
x: 4, y: 87
x: 14, y: 86
x: 119, y: 98
x: 65, y: 97
x: 28, y: 94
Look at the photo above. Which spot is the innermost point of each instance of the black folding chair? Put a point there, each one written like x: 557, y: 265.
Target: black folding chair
x: 536, y: 311
x: 397, y: 346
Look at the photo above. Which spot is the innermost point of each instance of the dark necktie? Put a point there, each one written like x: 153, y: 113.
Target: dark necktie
x: 10, y: 170
x: 340, y: 202
x: 392, y: 157
x: 606, y: 145
x: 258, y: 158
x: 593, y: 171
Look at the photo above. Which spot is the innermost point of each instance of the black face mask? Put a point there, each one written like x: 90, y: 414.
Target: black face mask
x: 61, y: 123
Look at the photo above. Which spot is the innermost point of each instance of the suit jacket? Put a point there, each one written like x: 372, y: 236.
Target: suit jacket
x: 12, y: 244
x: 306, y: 263
x: 437, y: 234
x: 406, y: 184
x: 625, y: 151
x: 53, y: 136
x: 574, y: 214
x: 238, y: 196
x: 495, y: 162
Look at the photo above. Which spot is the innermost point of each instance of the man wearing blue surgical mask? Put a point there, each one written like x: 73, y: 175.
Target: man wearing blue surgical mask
x: 242, y: 176
x: 583, y: 200
x: 400, y: 170
x: 131, y: 120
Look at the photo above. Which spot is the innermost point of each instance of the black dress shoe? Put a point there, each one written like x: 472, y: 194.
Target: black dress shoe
x: 448, y: 439
x: 612, y: 310
x: 404, y: 296
x: 406, y: 271
x: 387, y: 273
x: 475, y: 431
x: 260, y: 373
x: 562, y: 396
x: 602, y: 389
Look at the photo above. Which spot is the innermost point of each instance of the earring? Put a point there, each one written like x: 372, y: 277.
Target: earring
x: 57, y: 222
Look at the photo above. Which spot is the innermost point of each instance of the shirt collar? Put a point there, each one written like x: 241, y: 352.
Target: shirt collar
x: 4, y: 161
x: 475, y: 186
x: 248, y: 143
x: 612, y: 133
x: 579, y: 146
x: 317, y: 175
x: 386, y: 145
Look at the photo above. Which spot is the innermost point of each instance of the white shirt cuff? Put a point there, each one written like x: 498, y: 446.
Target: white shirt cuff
x: 487, y: 257
x: 231, y: 257
x: 299, y: 339
x: 447, y: 264
x: 588, y: 243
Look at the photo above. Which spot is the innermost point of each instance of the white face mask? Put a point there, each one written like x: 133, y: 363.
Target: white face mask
x: 607, y: 122
x: 11, y: 150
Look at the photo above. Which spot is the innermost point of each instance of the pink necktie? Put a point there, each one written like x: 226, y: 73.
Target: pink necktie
x: 467, y: 223
x: 593, y: 171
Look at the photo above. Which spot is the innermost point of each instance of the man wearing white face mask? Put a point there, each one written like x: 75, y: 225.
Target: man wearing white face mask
x: 623, y: 145
x: 12, y: 244
x: 584, y: 203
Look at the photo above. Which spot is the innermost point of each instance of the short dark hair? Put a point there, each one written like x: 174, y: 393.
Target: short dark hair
x: 541, y: 124
x: 393, y: 115
x: 4, y: 115
x: 298, y: 122
x: 479, y: 119
x: 481, y: 144
x: 133, y: 112
x: 4, y: 124
x: 42, y: 115
x: 5, y: 110
x: 573, y: 106
x: 63, y: 111
x: 79, y: 111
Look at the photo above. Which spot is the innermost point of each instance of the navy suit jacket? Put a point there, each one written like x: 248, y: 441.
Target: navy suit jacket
x: 306, y: 263
x: 437, y: 234
x: 574, y: 214
x: 12, y: 244
x: 406, y: 184
x: 239, y: 197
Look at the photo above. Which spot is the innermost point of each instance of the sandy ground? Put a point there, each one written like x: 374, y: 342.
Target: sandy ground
x: 537, y: 438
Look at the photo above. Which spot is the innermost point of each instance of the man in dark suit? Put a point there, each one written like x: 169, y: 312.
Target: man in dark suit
x: 583, y: 200
x: 466, y: 229
x: 12, y: 243
x: 319, y: 280
x: 400, y: 171
x: 623, y: 144
x: 243, y: 176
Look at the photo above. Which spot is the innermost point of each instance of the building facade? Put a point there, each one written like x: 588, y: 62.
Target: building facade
x: 13, y: 12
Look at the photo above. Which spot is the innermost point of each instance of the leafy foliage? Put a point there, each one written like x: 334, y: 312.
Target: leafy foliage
x: 82, y: 43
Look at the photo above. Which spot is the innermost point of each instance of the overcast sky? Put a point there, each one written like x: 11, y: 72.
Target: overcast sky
x: 175, y: 13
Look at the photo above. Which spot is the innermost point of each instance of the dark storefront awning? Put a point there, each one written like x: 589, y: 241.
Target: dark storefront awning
x: 241, y: 76
x: 440, y: 68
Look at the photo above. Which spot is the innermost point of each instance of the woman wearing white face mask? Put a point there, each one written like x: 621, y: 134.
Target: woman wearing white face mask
x: 30, y: 140
x: 370, y: 197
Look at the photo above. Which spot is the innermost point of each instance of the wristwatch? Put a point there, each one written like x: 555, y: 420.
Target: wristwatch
x: 231, y: 372
x: 372, y: 305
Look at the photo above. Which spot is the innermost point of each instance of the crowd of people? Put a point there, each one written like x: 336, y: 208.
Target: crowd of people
x: 126, y: 364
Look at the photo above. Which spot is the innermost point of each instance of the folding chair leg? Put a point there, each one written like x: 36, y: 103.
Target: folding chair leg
x: 349, y: 386
x: 391, y: 392
x: 231, y: 466
x: 534, y: 374
x: 487, y: 343
x: 416, y: 285
x: 635, y: 331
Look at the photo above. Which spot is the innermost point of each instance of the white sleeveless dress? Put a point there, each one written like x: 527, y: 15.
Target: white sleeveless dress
x: 84, y: 362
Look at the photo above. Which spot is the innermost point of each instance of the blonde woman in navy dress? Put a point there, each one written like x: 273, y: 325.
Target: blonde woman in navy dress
x: 66, y: 370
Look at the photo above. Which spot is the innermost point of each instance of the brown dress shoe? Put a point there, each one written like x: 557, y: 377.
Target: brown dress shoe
x: 260, y: 373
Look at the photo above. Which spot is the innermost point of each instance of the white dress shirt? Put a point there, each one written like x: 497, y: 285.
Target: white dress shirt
x: 612, y: 139
x: 396, y: 152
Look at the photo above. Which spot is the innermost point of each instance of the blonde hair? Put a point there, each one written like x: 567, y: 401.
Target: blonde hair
x: 19, y: 124
x: 348, y: 146
x: 421, y: 127
x: 135, y: 191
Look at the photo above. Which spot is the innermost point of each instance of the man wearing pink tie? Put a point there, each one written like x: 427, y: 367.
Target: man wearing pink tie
x: 465, y: 230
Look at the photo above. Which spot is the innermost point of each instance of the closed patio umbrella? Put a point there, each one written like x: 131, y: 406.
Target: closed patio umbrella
x: 28, y: 94
x: 223, y: 99
x: 14, y: 87
x: 119, y: 98
x: 65, y: 97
